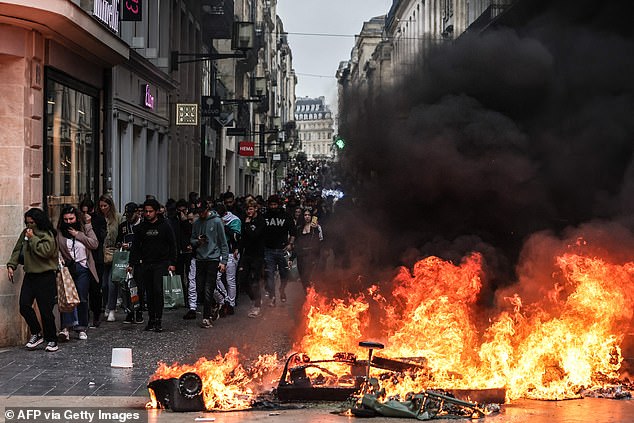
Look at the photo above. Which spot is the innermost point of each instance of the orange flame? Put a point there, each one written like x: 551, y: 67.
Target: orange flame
x: 549, y: 349
x: 227, y: 385
x: 553, y: 347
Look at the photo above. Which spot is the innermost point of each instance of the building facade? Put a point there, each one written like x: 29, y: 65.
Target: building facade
x: 392, y: 47
x: 98, y: 98
x: 314, y: 128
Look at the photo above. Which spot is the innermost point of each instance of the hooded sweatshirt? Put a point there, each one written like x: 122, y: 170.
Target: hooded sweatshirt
x: 216, y: 247
x: 40, y: 252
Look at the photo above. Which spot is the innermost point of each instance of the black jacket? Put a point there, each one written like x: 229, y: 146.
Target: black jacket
x: 252, y: 240
x: 153, y: 243
x: 279, y: 227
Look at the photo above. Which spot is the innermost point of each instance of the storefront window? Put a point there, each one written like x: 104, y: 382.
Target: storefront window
x: 70, y: 148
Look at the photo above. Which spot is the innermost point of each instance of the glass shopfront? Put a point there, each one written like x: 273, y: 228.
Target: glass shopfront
x: 72, y: 142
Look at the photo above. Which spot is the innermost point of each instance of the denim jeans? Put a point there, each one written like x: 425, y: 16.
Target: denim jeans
x: 206, y: 272
x: 249, y: 270
x: 110, y: 289
x: 152, y: 277
x: 78, y: 318
x: 275, y: 259
x: 39, y: 287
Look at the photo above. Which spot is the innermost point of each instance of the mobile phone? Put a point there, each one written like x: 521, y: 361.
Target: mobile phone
x: 314, y: 220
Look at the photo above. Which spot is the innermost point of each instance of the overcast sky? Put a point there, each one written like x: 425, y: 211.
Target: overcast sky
x: 316, y: 57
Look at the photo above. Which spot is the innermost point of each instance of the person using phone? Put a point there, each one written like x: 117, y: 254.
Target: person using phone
x: 36, y: 250
x: 308, y: 247
x: 209, y: 241
x: 76, y: 241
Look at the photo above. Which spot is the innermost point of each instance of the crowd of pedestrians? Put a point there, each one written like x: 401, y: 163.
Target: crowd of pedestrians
x: 218, y: 247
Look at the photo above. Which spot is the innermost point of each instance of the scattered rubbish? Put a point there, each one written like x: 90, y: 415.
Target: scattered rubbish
x: 612, y: 392
x: 274, y: 414
x: 205, y: 419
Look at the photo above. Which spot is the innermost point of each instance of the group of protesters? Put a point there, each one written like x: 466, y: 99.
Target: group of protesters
x: 218, y: 247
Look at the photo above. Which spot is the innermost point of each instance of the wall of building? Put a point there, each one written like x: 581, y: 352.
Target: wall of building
x: 47, y: 35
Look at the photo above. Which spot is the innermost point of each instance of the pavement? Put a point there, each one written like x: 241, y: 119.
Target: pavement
x: 79, y: 375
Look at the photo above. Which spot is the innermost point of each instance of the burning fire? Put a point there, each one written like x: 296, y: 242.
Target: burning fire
x: 227, y: 385
x: 553, y: 347
x: 549, y: 349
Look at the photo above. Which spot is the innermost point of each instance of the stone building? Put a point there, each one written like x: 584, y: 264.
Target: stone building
x: 314, y: 127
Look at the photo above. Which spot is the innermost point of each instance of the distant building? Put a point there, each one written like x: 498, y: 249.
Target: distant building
x: 314, y: 127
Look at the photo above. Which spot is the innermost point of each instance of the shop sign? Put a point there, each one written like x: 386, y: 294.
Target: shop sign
x: 148, y: 98
x: 131, y: 10
x: 186, y: 114
x: 246, y: 148
x: 108, y: 13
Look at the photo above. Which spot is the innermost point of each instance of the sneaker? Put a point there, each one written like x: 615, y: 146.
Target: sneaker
x: 157, y: 326
x: 206, y: 323
x: 272, y: 303
x: 149, y: 326
x: 282, y: 296
x: 139, y: 317
x: 111, y: 316
x: 215, y: 313
x: 64, y: 335
x: 34, y: 341
x: 254, y: 312
x: 95, y: 324
x: 106, y: 312
x: 82, y: 335
x: 51, y: 347
x: 129, y: 318
x: 190, y: 315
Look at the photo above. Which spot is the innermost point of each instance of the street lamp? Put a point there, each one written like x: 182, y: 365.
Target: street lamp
x: 243, y: 40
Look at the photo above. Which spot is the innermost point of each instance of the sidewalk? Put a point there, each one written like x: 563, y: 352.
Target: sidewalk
x: 82, y: 368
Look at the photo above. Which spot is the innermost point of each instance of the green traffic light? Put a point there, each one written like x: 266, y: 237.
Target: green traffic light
x: 340, y: 143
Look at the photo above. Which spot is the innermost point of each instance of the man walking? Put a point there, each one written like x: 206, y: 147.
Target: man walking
x: 154, y: 248
x: 252, y: 256
x: 209, y: 241
x: 279, y: 235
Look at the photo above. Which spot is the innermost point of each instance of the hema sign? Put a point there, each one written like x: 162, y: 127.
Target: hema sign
x: 107, y: 12
x: 246, y: 148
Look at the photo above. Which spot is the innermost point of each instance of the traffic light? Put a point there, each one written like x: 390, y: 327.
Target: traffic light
x: 340, y: 143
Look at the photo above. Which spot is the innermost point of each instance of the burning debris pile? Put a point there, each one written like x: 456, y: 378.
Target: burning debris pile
x: 558, y: 340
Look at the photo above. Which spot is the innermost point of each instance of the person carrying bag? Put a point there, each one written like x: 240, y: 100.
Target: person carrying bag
x: 76, y: 240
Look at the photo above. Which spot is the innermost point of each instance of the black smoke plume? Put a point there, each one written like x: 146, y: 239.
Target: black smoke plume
x: 526, y: 126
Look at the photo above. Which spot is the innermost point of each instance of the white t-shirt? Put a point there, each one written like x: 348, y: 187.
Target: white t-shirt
x: 77, y: 251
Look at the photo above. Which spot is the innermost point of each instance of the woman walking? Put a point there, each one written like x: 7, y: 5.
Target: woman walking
x: 113, y: 220
x: 76, y: 241
x: 36, y: 251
